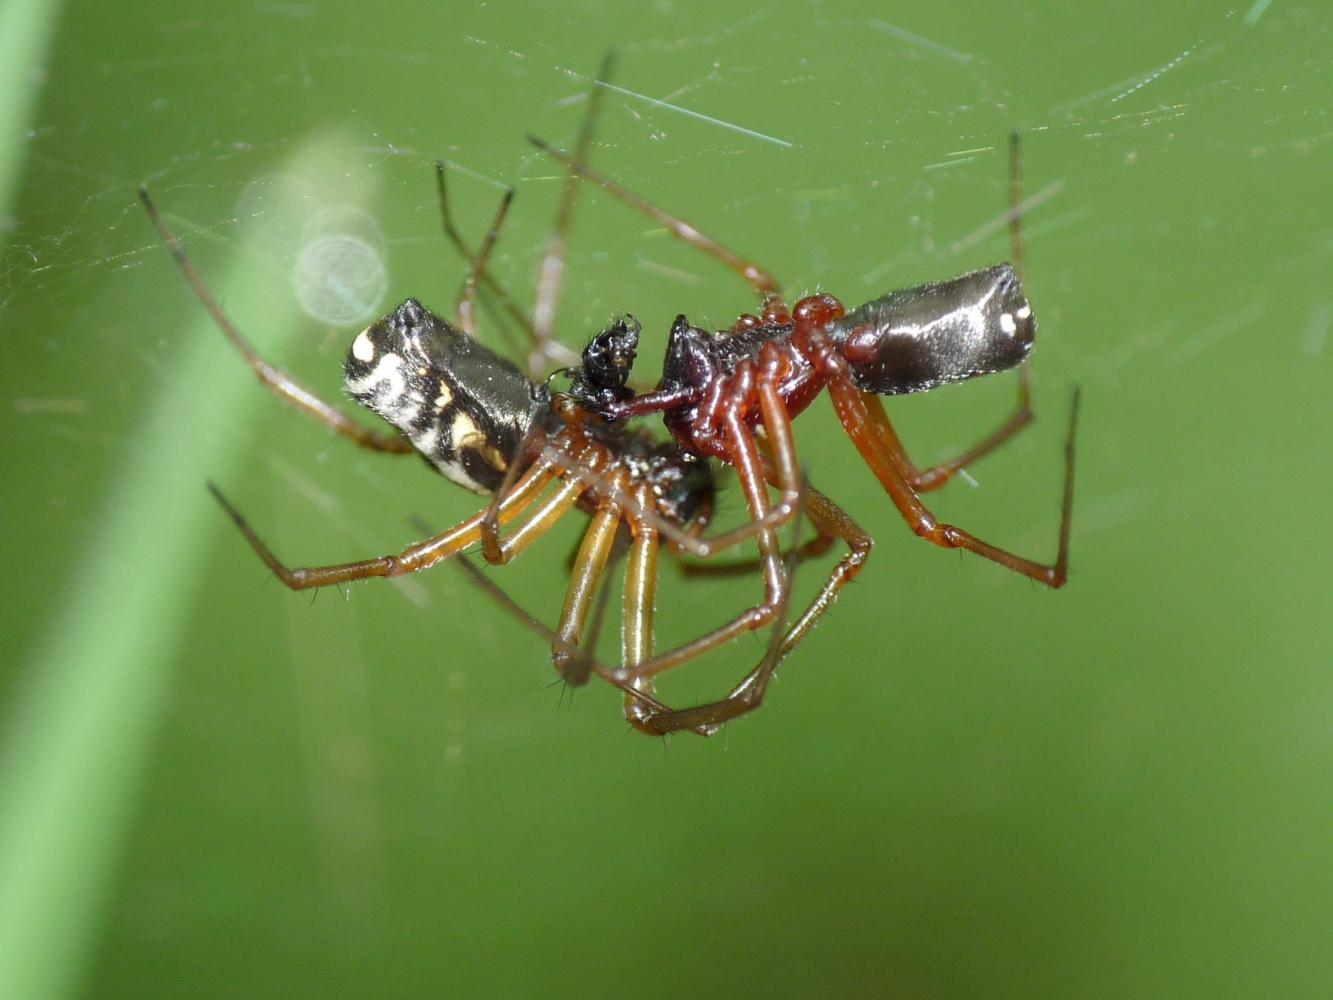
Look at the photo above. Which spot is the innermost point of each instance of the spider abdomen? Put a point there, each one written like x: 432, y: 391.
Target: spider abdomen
x: 463, y: 407
x: 946, y: 331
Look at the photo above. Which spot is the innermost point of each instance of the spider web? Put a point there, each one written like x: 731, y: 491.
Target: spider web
x: 1178, y: 254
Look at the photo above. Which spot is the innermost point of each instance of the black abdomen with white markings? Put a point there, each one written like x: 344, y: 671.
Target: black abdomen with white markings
x: 930, y: 335
x: 463, y: 407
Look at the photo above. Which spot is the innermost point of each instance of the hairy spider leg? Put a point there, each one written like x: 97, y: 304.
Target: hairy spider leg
x: 274, y: 379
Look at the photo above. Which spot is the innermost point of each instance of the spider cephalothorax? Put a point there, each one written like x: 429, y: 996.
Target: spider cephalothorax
x: 602, y: 378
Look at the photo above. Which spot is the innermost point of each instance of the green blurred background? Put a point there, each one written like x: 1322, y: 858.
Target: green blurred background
x: 961, y: 786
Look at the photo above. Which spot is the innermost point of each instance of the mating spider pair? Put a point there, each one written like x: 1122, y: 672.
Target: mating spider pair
x: 485, y: 424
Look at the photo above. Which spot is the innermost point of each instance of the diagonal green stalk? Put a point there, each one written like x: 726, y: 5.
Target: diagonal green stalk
x: 83, y: 720
x: 26, y: 30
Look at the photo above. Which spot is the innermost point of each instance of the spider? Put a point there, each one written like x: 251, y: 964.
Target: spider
x: 483, y: 423
x: 717, y: 389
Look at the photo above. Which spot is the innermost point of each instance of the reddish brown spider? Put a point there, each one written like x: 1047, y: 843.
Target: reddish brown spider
x: 718, y: 388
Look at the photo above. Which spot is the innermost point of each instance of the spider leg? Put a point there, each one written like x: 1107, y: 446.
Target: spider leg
x: 758, y: 278
x: 612, y: 677
x: 490, y: 523
x: 584, y: 581
x: 416, y: 557
x: 585, y: 470
x: 467, y: 294
x: 932, y: 478
x: 483, y: 277
x: 831, y: 522
x: 744, y: 456
x: 640, y: 605
x: 1016, y: 206
x: 680, y: 540
x: 813, y: 549
x: 593, y: 631
x: 275, y: 380
x: 551, y: 274
x: 553, y: 350
x: 874, y: 438
x: 863, y: 417
x: 926, y: 480
x: 547, y: 513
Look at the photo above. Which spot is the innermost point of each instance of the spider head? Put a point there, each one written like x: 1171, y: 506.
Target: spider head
x: 692, y: 357
x: 465, y: 408
x: 607, y: 361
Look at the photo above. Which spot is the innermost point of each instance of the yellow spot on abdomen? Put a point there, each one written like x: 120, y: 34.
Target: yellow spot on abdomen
x: 467, y: 436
